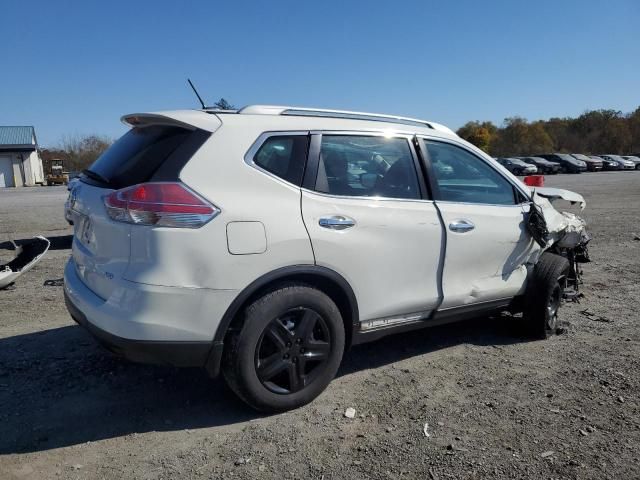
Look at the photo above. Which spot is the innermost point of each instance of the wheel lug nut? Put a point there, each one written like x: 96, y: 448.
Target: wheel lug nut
x: 298, y: 341
x: 288, y: 344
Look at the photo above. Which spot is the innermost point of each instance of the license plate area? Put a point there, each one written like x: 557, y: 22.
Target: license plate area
x: 84, y: 232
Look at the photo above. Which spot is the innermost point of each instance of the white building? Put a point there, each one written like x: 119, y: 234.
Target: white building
x: 20, y: 163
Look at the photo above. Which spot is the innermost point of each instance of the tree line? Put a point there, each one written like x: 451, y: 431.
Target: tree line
x: 594, y: 132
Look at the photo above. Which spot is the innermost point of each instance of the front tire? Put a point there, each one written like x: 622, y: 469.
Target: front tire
x: 544, y: 295
x: 287, y: 351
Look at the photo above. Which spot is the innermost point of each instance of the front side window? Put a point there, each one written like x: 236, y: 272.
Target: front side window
x: 367, y: 166
x: 284, y: 156
x: 463, y: 177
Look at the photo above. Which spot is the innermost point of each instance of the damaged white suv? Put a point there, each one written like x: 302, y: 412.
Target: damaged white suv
x: 264, y: 242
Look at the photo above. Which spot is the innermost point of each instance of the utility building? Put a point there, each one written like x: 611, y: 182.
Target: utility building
x: 20, y: 163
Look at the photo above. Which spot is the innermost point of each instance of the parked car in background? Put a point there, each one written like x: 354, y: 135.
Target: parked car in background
x: 517, y: 166
x: 635, y: 159
x: 593, y: 165
x: 544, y: 166
x: 569, y: 164
x: 623, y: 162
x: 608, y: 165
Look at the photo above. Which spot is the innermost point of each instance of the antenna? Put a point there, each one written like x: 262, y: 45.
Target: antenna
x: 197, y: 94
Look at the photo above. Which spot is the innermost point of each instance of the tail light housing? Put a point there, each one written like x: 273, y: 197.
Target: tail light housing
x: 161, y: 204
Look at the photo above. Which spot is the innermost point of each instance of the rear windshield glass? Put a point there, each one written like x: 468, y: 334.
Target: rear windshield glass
x: 138, y: 154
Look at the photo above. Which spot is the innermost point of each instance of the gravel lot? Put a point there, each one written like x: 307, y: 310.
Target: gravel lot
x: 497, y: 406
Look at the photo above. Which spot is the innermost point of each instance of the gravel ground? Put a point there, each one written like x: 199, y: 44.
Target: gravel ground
x: 496, y: 405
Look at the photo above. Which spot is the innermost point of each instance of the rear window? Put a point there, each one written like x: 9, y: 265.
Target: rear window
x: 136, y: 156
x: 284, y: 156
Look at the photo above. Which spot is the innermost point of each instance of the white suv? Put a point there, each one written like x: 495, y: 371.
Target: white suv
x: 264, y: 242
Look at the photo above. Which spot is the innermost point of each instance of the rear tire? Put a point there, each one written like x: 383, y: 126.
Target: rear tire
x: 287, y: 351
x: 544, y: 295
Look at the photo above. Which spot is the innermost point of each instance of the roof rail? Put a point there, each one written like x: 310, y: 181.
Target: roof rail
x: 321, y: 112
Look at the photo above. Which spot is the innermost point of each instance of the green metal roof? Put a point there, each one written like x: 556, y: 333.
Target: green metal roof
x: 17, y: 135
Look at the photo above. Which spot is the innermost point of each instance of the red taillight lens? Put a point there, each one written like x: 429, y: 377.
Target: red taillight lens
x: 159, y: 204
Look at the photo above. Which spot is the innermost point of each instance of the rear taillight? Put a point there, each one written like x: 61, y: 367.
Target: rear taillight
x: 160, y: 204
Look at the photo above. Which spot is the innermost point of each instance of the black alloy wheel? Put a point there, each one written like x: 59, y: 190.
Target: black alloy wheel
x: 285, y: 348
x: 292, y: 351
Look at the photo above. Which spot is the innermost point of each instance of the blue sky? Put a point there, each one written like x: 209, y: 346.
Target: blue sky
x: 75, y: 67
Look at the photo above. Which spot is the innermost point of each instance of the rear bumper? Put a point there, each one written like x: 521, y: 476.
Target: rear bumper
x: 178, y: 354
x: 150, y: 324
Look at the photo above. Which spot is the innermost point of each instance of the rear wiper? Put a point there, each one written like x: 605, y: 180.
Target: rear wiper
x: 95, y: 176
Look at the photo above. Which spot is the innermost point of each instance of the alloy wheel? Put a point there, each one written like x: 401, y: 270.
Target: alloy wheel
x: 292, y: 350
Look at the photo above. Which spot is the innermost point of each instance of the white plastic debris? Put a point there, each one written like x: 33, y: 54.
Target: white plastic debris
x: 425, y: 430
x: 28, y: 253
x: 350, y: 412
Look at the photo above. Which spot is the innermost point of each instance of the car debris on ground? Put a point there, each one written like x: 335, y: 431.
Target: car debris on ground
x: 28, y: 253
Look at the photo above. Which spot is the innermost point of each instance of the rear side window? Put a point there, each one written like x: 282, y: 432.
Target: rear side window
x: 136, y: 156
x: 367, y: 166
x: 284, y: 156
x: 463, y: 177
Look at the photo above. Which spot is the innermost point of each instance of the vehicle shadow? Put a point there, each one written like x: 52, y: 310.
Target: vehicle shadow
x: 59, y: 388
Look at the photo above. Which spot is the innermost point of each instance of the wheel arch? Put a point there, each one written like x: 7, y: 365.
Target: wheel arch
x: 328, y: 281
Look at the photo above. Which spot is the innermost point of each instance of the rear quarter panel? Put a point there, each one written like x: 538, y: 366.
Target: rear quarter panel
x: 200, y: 258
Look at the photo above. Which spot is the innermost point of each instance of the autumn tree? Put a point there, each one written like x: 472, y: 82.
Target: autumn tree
x: 482, y: 135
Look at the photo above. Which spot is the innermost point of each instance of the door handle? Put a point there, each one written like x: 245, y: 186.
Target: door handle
x: 336, y: 222
x: 461, y: 226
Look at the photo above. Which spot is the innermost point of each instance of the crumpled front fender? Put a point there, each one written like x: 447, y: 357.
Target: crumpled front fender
x: 548, y: 226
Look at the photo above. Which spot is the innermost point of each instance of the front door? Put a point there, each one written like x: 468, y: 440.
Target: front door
x: 369, y: 220
x: 487, y: 243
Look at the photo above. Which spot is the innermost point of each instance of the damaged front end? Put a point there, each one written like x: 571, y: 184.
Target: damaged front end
x: 562, y: 233
x: 28, y: 253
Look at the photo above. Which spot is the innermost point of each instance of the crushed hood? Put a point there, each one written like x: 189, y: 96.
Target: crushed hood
x: 558, y: 193
x: 549, y: 226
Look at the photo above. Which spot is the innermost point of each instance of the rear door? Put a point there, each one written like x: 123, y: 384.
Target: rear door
x: 487, y: 244
x: 369, y: 219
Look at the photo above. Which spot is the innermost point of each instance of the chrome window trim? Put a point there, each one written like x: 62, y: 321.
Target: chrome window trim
x: 515, y: 205
x: 262, y: 138
x: 527, y: 195
x: 368, y: 133
x: 362, y: 197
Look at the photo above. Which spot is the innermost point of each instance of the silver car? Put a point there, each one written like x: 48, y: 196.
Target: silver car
x: 623, y: 162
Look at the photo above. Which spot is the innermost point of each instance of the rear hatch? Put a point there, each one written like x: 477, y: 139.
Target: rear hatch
x: 101, y: 246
